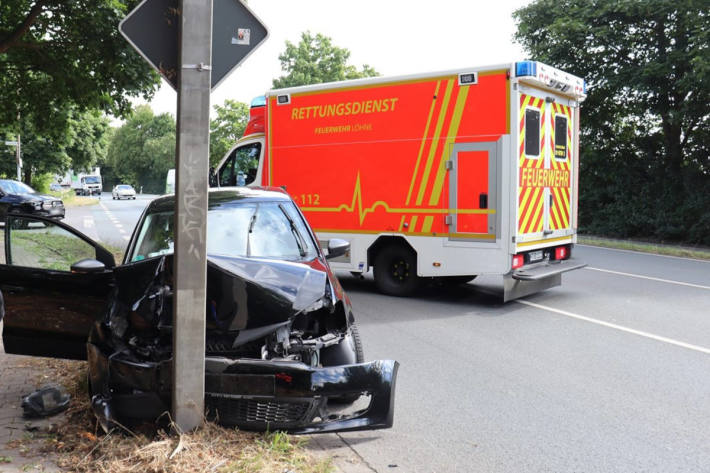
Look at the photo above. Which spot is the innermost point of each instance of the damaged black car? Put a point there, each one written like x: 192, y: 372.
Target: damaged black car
x: 282, y: 348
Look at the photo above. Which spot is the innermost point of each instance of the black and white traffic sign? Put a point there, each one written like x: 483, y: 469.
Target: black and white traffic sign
x: 152, y: 29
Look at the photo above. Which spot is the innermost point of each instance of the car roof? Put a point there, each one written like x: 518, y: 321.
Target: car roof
x: 227, y: 195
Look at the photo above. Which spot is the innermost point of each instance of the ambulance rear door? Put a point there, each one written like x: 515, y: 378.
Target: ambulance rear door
x: 545, y: 166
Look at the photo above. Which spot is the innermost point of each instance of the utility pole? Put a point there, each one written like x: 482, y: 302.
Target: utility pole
x: 190, y: 270
x: 18, y: 157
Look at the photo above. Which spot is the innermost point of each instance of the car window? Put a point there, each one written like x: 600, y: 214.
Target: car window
x: 14, y: 187
x: 263, y: 230
x: 43, y: 245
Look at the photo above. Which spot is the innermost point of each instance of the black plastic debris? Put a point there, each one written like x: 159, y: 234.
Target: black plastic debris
x: 46, y: 401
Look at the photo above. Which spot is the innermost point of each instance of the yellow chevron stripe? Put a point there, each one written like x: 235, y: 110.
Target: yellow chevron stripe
x: 435, y: 141
x: 424, y: 141
x: 413, y: 224
x: 426, y: 226
x: 401, y: 223
x: 531, y: 210
x: 526, y: 197
x: 451, y: 137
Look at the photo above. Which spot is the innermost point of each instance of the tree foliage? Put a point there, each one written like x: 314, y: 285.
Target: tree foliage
x: 81, y: 145
x: 142, y: 150
x: 56, y: 54
x: 645, y: 170
x: 227, y: 128
x: 315, y: 60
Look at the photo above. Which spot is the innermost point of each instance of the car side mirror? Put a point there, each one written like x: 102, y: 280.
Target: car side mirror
x: 337, y: 247
x: 88, y: 266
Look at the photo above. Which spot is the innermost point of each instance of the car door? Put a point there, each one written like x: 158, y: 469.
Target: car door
x: 55, y: 282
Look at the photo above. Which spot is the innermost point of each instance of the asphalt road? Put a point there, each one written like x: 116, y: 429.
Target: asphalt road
x: 111, y: 221
x: 608, y: 372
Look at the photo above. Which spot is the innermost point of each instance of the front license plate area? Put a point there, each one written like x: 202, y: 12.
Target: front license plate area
x: 535, y: 256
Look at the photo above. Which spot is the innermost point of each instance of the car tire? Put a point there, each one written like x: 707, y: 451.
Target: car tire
x: 396, y: 271
x: 349, y: 351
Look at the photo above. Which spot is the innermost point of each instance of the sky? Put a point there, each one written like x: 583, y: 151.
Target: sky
x: 395, y: 37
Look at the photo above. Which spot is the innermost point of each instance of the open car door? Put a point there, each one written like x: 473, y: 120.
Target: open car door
x: 55, y: 282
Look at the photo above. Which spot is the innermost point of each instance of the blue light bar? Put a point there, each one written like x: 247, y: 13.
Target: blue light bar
x: 584, y: 85
x: 526, y: 68
x: 259, y: 101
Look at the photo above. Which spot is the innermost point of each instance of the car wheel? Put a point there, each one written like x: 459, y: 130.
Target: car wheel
x: 349, y: 351
x: 396, y: 271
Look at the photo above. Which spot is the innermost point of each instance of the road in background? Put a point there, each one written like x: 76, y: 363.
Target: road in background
x: 110, y: 222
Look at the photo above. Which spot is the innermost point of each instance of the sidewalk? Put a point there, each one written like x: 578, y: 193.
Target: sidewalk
x: 17, y: 378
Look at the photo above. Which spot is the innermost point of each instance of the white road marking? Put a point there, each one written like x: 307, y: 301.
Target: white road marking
x: 618, y: 327
x: 669, y: 281
x: 644, y: 253
x: 88, y: 222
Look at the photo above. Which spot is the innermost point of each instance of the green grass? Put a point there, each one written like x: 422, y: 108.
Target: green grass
x: 47, y: 249
x: 70, y: 199
x: 655, y: 248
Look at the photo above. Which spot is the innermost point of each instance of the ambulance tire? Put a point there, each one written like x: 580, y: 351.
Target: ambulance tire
x: 396, y: 271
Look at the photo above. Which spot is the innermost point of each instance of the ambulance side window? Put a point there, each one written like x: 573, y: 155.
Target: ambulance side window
x: 532, y: 132
x: 560, y: 137
x: 241, y: 166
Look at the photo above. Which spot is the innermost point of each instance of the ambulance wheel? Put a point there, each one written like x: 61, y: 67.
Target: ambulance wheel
x: 396, y: 271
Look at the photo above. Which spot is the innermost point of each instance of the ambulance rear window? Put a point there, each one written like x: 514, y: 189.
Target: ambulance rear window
x: 560, y: 137
x: 532, y: 132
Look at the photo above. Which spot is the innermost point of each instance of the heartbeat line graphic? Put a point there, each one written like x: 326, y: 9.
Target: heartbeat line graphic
x: 356, y: 203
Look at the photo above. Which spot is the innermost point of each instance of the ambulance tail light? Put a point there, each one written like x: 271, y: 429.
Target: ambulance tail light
x: 562, y: 252
x: 526, y: 68
x: 518, y: 261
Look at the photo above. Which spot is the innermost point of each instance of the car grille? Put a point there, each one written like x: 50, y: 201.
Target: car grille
x: 240, y: 411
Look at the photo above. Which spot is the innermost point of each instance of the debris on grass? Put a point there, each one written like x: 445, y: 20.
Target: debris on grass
x: 77, y: 443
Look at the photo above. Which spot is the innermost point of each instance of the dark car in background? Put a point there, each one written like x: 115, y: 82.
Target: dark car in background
x: 282, y: 348
x: 19, y: 198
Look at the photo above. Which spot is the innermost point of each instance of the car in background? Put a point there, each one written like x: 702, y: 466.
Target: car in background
x: 19, y: 198
x: 55, y: 187
x: 282, y: 351
x: 123, y: 191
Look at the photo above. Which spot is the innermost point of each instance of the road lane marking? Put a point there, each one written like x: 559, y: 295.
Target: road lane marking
x: 617, y: 327
x: 644, y: 253
x: 648, y: 277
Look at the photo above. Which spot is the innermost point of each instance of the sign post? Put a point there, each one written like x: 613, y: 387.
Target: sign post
x: 204, y: 55
x: 190, y: 226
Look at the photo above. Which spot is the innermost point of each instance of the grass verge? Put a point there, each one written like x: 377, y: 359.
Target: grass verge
x: 70, y: 199
x: 655, y: 248
x: 78, y: 444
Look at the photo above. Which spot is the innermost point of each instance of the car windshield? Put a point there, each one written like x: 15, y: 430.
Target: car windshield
x: 255, y: 230
x: 124, y: 187
x: 15, y: 187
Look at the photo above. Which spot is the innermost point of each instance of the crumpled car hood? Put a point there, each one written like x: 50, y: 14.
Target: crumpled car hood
x: 242, y: 293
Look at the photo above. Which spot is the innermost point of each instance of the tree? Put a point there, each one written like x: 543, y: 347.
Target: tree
x: 142, y: 150
x: 227, y: 128
x: 82, y: 144
x: 315, y: 60
x: 645, y: 169
x: 56, y: 54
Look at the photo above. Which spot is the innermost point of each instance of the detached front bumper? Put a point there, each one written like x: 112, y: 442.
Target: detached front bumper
x: 249, y: 394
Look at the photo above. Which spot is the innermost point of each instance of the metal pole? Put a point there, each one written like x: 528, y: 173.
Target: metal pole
x: 18, y: 158
x: 191, y: 213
